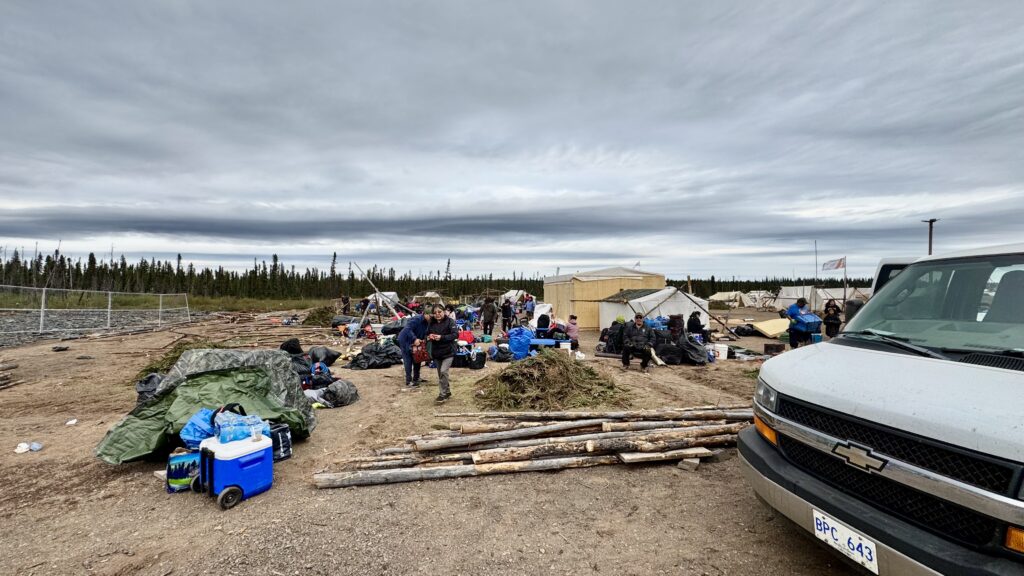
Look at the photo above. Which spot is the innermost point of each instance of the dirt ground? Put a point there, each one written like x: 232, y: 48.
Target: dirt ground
x: 65, y: 512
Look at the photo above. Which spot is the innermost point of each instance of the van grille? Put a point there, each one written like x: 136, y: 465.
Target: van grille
x: 984, y: 472
x: 929, y: 512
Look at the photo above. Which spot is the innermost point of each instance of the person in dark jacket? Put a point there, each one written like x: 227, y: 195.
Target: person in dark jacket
x: 832, y: 319
x: 508, y: 310
x: 488, y: 315
x: 441, y: 335
x: 637, y: 339
x: 695, y: 327
x: 412, y: 334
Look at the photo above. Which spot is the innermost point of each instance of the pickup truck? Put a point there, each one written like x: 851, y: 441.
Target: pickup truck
x: 900, y: 443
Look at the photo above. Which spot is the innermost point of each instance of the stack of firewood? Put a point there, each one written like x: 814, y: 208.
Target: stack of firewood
x: 481, y: 443
x: 6, y: 379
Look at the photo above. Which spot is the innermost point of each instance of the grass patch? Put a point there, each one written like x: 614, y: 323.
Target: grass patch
x: 549, y: 381
x: 228, y: 304
x: 321, y: 316
x: 164, y: 363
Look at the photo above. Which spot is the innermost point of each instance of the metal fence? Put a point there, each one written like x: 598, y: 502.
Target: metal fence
x: 38, y: 310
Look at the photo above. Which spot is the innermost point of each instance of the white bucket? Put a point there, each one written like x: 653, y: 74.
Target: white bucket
x: 722, y: 351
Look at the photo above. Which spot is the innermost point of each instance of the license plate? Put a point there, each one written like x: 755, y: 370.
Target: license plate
x: 842, y: 538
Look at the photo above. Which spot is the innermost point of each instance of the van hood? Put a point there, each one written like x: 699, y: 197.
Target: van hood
x: 970, y: 406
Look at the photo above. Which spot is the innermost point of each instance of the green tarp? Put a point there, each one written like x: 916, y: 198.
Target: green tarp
x: 263, y: 382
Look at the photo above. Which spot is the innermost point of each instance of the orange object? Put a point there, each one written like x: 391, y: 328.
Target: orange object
x: 1015, y: 539
x: 769, y: 434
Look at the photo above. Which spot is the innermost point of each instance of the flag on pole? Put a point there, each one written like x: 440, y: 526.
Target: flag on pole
x: 837, y: 264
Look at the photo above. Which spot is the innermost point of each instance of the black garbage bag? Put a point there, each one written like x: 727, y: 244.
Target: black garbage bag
x: 323, y: 354
x: 292, y: 346
x: 343, y: 319
x: 146, y: 388
x: 694, y: 353
x: 503, y: 355
x: 662, y: 337
x: 377, y: 355
x: 669, y: 353
x: 614, y: 343
x: 745, y: 330
x: 394, y: 327
x: 340, y: 393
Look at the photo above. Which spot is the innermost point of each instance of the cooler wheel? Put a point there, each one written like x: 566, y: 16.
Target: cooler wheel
x: 196, y: 484
x: 229, y: 497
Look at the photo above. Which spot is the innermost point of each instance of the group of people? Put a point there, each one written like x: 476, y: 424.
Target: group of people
x: 436, y: 332
x: 832, y: 321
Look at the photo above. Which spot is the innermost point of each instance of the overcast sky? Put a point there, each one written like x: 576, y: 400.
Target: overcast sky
x: 693, y: 137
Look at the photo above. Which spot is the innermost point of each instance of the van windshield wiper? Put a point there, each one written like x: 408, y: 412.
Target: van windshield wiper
x: 900, y: 342
x: 1011, y: 352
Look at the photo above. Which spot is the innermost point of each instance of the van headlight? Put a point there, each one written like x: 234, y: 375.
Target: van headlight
x: 766, y: 396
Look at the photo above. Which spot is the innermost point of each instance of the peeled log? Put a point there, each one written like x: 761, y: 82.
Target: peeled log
x: 484, y: 427
x: 458, y: 441
x: 655, y: 424
x: 635, y: 457
x: 623, y: 444
x: 627, y: 445
x: 529, y: 452
x: 370, y: 477
x: 576, y: 437
x: 5, y: 367
x: 659, y: 414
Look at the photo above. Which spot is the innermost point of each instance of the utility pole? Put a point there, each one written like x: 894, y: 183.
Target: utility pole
x: 931, y: 225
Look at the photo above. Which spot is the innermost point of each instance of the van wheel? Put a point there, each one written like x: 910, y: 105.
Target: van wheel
x: 229, y: 497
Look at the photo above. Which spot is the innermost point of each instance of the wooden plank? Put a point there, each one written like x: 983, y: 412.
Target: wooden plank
x: 634, y: 457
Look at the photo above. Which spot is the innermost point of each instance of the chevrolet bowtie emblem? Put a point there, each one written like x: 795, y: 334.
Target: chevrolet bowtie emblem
x: 859, y: 456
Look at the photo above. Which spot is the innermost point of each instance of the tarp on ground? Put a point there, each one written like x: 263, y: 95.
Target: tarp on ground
x: 262, y: 381
x: 733, y: 299
x: 664, y: 302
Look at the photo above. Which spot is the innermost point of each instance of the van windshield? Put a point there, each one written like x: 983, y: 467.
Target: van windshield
x: 963, y: 305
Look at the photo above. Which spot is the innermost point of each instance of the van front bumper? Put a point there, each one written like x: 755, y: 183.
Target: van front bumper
x: 903, y: 549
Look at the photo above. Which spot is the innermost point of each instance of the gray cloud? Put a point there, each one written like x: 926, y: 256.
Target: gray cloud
x: 702, y: 137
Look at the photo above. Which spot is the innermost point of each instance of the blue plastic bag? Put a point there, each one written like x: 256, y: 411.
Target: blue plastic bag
x: 197, y: 429
x: 519, y: 342
x: 231, y: 426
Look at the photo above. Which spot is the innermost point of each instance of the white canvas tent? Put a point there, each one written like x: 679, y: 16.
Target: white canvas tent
x: 818, y: 297
x: 385, y: 301
x: 652, y: 303
x: 513, y: 295
x: 733, y: 299
x: 761, y: 298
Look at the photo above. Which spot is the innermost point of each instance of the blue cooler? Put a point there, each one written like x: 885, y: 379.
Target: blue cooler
x: 808, y: 323
x: 234, y: 471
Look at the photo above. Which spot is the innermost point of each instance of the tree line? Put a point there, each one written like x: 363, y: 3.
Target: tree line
x: 276, y: 280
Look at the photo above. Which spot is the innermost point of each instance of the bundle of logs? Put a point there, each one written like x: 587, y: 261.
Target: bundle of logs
x: 6, y: 379
x: 482, y: 443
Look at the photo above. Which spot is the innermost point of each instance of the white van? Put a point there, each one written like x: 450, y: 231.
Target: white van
x: 900, y: 443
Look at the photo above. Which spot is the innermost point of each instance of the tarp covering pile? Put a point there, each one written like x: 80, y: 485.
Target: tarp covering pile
x: 262, y: 381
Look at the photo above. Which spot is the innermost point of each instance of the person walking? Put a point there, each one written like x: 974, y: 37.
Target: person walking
x: 508, y: 310
x: 637, y: 339
x: 488, y: 315
x: 441, y: 335
x: 412, y: 334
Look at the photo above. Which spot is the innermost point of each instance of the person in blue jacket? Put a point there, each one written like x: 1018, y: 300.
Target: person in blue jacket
x: 797, y: 337
x: 413, y: 334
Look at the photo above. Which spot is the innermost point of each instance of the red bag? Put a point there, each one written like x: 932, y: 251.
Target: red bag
x: 466, y: 335
x: 419, y: 353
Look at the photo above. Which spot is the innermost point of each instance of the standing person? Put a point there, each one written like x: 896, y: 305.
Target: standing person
x: 832, y: 319
x: 364, y: 305
x: 797, y: 337
x: 441, y: 335
x: 637, y: 338
x: 530, y: 305
x: 412, y: 334
x: 488, y: 315
x: 346, y: 305
x: 508, y: 310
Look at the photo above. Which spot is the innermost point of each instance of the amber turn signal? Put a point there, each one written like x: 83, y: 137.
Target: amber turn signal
x: 1015, y: 539
x: 768, y: 434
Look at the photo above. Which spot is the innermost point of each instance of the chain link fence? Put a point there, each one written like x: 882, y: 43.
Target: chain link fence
x: 26, y: 310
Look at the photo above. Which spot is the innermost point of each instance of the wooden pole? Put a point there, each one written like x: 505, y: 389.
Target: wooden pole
x: 371, y: 477
x: 630, y: 445
x: 442, y: 443
x: 655, y: 424
x: 529, y: 453
x: 702, y: 413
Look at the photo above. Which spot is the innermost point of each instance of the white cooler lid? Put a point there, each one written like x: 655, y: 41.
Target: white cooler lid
x: 236, y: 449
